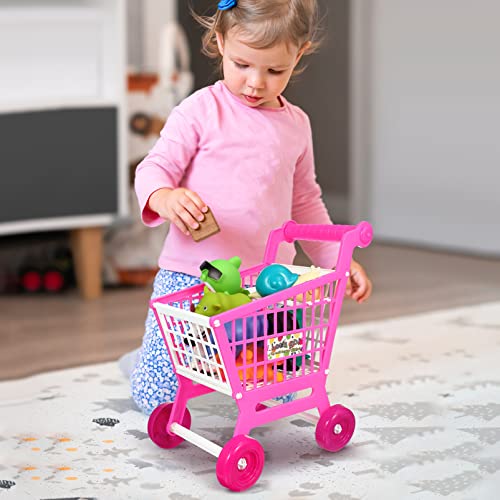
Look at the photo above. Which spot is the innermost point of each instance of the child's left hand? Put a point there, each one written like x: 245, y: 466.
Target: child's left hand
x: 359, y: 286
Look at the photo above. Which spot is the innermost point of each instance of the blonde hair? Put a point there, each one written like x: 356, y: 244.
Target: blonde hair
x: 263, y: 24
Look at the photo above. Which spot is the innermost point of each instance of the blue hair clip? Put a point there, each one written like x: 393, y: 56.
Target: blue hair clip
x: 226, y: 4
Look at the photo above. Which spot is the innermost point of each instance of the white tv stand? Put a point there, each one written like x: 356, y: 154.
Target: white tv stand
x: 62, y: 123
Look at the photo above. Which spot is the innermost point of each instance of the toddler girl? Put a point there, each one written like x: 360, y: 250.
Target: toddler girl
x: 242, y: 149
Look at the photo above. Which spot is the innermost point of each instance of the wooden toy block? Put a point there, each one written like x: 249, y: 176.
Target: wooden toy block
x: 208, y: 227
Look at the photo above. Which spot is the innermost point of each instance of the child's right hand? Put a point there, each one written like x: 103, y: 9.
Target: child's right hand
x: 180, y: 206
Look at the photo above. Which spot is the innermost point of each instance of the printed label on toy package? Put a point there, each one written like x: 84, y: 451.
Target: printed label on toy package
x: 282, y: 347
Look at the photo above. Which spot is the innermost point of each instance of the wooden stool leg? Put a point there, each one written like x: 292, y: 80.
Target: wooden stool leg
x: 87, y: 247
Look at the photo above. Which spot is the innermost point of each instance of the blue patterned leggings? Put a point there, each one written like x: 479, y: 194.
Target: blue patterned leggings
x: 153, y: 379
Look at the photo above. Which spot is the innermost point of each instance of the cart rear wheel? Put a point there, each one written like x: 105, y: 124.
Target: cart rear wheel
x: 240, y: 463
x: 157, y: 426
x: 335, y: 428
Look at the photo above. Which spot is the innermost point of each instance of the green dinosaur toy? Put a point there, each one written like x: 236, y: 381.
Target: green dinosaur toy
x: 223, y: 276
x: 213, y: 303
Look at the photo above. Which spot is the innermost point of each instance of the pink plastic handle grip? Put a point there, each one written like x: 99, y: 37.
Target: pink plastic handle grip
x: 326, y: 232
x: 313, y: 232
x: 359, y: 235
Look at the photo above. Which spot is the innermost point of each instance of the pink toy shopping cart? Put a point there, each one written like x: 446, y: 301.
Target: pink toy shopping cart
x: 270, y: 347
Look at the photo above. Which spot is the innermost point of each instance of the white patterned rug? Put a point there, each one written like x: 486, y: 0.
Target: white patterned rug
x: 425, y: 390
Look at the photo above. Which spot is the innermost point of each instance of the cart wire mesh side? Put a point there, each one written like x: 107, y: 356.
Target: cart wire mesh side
x: 286, y: 334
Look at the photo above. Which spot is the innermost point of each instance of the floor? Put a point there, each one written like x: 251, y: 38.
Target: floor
x: 42, y: 333
x: 425, y: 400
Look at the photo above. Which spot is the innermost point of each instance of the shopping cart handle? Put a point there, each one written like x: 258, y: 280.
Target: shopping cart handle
x: 359, y: 235
x: 325, y: 232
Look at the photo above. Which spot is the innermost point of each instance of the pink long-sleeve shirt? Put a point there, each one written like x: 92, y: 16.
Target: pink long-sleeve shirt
x: 254, y: 167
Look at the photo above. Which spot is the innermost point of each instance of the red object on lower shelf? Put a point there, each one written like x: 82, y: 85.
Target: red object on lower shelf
x: 31, y: 281
x: 53, y: 281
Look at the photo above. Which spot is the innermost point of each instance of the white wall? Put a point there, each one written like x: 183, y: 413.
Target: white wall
x: 433, y: 73
x: 156, y: 14
x: 144, y: 20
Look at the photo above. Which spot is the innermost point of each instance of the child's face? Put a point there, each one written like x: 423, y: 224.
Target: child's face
x: 257, y: 76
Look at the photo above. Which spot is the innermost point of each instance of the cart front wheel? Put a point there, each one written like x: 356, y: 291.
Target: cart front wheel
x: 335, y: 428
x: 157, y: 426
x: 240, y: 463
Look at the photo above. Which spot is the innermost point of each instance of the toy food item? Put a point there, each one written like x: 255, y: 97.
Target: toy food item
x: 270, y: 323
x: 248, y: 330
x: 274, y: 278
x: 208, y: 227
x: 222, y: 275
x: 285, y: 324
x: 259, y: 370
x: 248, y: 356
x: 260, y: 329
x: 314, y: 273
x: 265, y: 325
x: 213, y: 303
